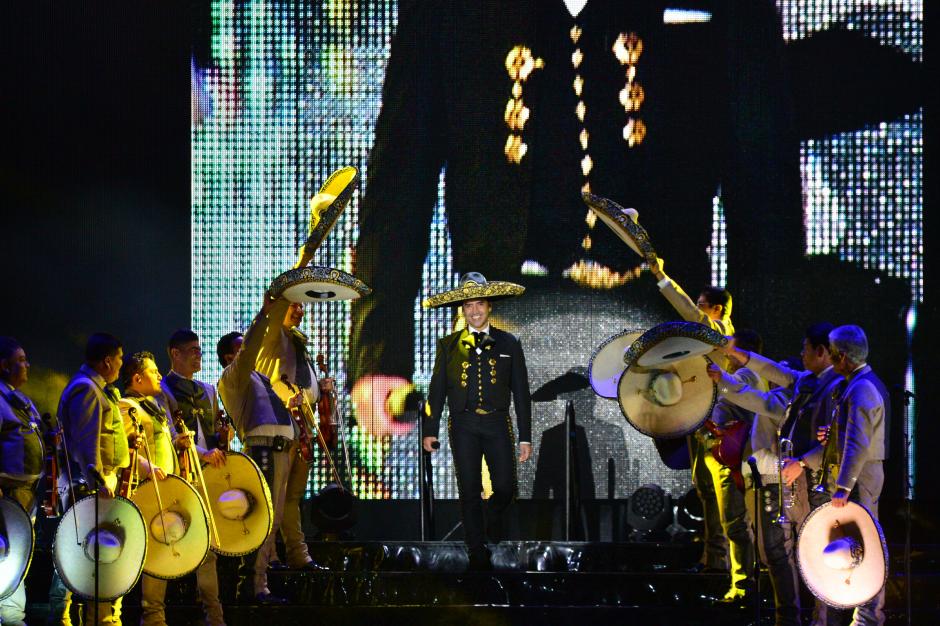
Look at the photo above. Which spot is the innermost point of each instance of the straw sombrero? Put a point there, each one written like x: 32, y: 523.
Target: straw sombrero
x: 474, y: 286
x: 328, y: 204
x: 606, y: 365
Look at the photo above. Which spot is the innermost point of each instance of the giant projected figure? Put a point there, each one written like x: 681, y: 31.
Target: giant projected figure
x: 525, y: 105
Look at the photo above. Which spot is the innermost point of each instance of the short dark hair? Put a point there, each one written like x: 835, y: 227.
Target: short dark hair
x: 225, y: 346
x: 818, y: 334
x: 133, y: 365
x: 8, y: 345
x: 100, y: 346
x: 179, y: 337
x: 718, y: 296
x: 749, y: 340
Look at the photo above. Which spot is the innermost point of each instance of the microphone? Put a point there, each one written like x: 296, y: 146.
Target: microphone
x: 436, y: 445
x: 755, y: 475
x: 404, y: 404
x: 92, y: 471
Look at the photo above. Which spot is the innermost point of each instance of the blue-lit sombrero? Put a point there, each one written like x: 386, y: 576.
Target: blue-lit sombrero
x: 842, y: 555
x: 474, y: 286
x: 624, y: 223
x: 16, y: 545
x: 606, y: 365
x: 665, y: 391
x: 328, y: 204
x: 318, y: 284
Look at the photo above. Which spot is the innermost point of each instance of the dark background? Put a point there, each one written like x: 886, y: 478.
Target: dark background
x: 95, y: 196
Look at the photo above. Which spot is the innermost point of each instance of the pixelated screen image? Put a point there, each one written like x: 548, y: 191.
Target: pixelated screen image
x: 477, y: 128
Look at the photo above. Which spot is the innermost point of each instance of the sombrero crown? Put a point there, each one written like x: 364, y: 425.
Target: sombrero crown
x: 474, y: 286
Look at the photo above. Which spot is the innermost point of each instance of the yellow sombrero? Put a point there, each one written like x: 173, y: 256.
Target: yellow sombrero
x: 328, y: 204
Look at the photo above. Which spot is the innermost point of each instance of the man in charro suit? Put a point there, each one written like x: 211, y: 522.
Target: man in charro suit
x: 478, y: 371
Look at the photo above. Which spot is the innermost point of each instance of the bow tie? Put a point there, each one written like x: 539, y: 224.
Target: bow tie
x: 478, y: 338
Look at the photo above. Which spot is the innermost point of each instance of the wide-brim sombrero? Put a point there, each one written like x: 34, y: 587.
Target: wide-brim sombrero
x: 606, y: 365
x: 328, y: 204
x: 474, y: 286
x: 624, y: 223
x: 122, y: 536
x: 173, y: 551
x: 240, y: 477
x: 665, y: 391
x: 864, y: 568
x: 16, y: 545
x: 318, y: 284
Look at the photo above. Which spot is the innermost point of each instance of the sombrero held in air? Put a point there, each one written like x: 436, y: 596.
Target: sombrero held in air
x: 474, y: 286
x: 665, y: 391
x: 625, y: 224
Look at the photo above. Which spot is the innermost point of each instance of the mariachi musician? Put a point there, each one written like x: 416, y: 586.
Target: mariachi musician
x: 285, y: 361
x: 145, y: 415
x: 94, y: 438
x: 21, y: 453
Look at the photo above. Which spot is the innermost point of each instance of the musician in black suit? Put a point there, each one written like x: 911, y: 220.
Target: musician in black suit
x: 478, y: 371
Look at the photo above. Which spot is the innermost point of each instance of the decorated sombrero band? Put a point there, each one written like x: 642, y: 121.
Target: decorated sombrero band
x: 318, y: 284
x: 121, y: 538
x: 474, y: 286
x: 16, y: 545
x: 328, y: 204
x: 624, y: 223
x: 842, y: 555
x: 665, y: 391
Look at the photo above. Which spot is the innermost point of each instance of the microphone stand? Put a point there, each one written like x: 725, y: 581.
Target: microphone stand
x: 908, y: 501
x: 758, y: 485
x: 425, y: 484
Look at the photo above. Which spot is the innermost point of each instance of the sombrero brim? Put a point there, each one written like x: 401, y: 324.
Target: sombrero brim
x: 623, y: 224
x: 699, y: 394
x: 606, y: 365
x: 340, y: 185
x: 77, y: 571
x: 318, y: 284
x: 240, y: 537
x: 184, y: 556
x: 673, y: 341
x: 827, y: 584
x: 18, y: 531
x: 491, y: 290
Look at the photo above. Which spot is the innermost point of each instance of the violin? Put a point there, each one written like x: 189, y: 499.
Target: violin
x: 50, y: 501
x: 126, y: 479
x: 304, y: 439
x: 183, y: 456
x: 326, y: 407
x: 224, y: 430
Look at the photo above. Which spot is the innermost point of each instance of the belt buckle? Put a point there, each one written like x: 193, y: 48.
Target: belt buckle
x: 481, y: 411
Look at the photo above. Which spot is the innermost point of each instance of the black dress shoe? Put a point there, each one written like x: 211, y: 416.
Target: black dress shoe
x: 269, y: 599
x: 277, y: 566
x: 313, y: 566
x: 479, y: 560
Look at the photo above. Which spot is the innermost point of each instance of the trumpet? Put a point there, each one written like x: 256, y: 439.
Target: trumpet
x: 832, y: 437
x: 786, y: 493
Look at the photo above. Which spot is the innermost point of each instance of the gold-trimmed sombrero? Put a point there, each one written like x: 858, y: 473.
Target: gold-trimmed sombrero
x: 16, y: 545
x: 665, y: 391
x: 474, y: 286
x: 624, y: 222
x: 842, y: 555
x: 318, y: 284
x: 240, y: 501
x: 328, y: 204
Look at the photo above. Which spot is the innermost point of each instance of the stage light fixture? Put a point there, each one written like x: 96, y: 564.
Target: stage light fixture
x: 649, y: 511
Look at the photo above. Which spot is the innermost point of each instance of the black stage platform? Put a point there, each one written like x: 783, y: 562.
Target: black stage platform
x: 532, y: 583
